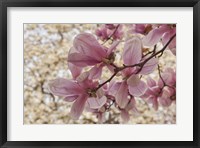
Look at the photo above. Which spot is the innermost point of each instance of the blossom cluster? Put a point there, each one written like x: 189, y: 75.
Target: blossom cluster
x: 140, y: 57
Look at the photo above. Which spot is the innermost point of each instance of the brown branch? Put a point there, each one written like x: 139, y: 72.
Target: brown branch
x: 164, y: 83
x: 115, y: 73
x: 150, y: 52
x: 159, y: 73
x: 141, y: 64
x: 111, y: 35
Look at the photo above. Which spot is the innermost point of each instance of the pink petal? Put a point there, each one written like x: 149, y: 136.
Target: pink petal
x: 81, y: 60
x: 101, y: 117
x: 138, y: 28
x: 132, y: 53
x: 155, y: 89
x: 148, y: 93
x: 87, y: 44
x: 78, y: 107
x: 125, y: 116
x: 100, y: 92
x: 113, y: 47
x: 70, y: 98
x: 151, y: 82
x: 111, y: 68
x: 136, y: 86
x: 164, y: 99
x: 167, y: 77
x: 154, y: 36
x: 118, y: 33
x: 133, y: 80
x: 75, y: 70
x: 167, y: 36
x: 95, y: 72
x: 153, y: 100
x: 98, y: 32
x: 96, y: 103
x: 64, y: 87
x: 113, y: 87
x: 173, y: 50
x: 149, y: 66
x: 130, y: 105
x: 110, y: 26
x: 155, y: 103
x: 122, y: 95
x: 83, y: 76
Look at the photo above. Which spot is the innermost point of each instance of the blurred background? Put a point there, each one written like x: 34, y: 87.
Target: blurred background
x: 46, y: 47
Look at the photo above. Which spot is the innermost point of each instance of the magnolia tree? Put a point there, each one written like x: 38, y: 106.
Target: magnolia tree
x: 129, y: 80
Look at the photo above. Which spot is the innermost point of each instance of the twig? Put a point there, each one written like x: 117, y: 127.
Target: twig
x: 153, y: 51
x: 141, y: 64
x: 111, y: 35
x: 164, y: 83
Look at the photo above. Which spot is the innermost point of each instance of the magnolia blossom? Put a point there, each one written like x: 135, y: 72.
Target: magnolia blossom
x: 86, y: 51
x: 87, y: 90
x: 164, y: 32
x: 130, y: 107
x: 141, y: 28
x: 110, y: 30
x: 161, y: 92
x: 169, y: 92
x: 79, y: 92
x: 132, y: 84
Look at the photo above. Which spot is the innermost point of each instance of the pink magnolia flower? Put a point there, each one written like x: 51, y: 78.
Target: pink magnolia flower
x: 164, y: 32
x: 141, y: 28
x: 125, y: 113
x: 108, y: 30
x: 152, y: 93
x: 100, y: 113
x: 169, y: 93
x: 78, y: 91
x: 158, y: 92
x: 86, y: 51
x: 132, y: 83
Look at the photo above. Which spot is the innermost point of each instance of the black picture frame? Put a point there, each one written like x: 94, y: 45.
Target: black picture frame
x: 4, y: 4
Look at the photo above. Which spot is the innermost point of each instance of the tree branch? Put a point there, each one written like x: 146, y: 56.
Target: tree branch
x: 141, y: 64
x: 111, y: 35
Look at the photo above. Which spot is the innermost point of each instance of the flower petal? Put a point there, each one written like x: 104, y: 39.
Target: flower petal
x: 78, y: 107
x: 131, y: 104
x: 132, y: 53
x: 87, y: 44
x: 125, y: 116
x: 95, y: 72
x: 70, y: 98
x: 96, y: 103
x: 83, y: 76
x: 113, y: 47
x: 138, y: 28
x: 81, y: 60
x: 151, y: 82
x: 167, y: 78
x: 154, y: 36
x: 64, y: 87
x: 136, y: 87
x: 154, y: 101
x: 164, y: 99
x: 149, y: 66
x: 133, y: 80
x: 75, y: 70
x: 122, y: 95
x: 101, y: 117
x: 167, y: 36
x: 113, y: 87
